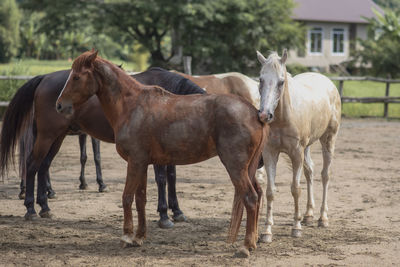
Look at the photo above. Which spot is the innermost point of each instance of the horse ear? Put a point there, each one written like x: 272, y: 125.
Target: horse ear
x: 91, y: 58
x: 284, y: 56
x: 261, y: 58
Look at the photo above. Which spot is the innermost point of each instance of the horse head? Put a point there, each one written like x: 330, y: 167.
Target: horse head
x: 272, y: 81
x: 80, y: 85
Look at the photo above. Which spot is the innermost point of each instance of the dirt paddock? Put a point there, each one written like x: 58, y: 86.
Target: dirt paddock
x: 364, y: 212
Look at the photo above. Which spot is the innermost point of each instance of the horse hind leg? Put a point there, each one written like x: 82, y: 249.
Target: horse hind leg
x: 172, y: 198
x: 308, y: 173
x: 135, y: 187
x: 97, y: 162
x: 83, y: 158
x: 328, y: 146
x: 160, y: 174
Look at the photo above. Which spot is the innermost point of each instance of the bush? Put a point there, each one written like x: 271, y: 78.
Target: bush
x: 295, y: 68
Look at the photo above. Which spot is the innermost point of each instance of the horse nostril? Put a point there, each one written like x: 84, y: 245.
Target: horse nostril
x: 270, y: 116
x: 58, y: 107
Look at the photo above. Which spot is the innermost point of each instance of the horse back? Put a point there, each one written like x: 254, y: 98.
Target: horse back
x: 316, y: 104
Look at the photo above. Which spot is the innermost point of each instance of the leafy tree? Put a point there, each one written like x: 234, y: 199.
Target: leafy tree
x: 381, y: 50
x: 393, y: 5
x: 9, y: 29
x: 220, y: 35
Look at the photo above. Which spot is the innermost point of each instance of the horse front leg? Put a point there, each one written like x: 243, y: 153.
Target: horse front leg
x: 297, y: 159
x: 136, y: 179
x: 172, y: 198
x: 97, y: 162
x: 308, y: 173
x: 270, y: 160
x: 160, y: 173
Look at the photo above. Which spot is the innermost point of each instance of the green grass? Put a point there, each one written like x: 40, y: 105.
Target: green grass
x: 369, y: 89
x: 33, y: 67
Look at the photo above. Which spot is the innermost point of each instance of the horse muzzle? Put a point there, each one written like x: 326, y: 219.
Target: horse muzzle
x: 265, y: 117
x: 65, y: 108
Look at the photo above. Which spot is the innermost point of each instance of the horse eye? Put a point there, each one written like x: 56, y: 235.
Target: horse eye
x: 280, y: 83
x: 76, y: 78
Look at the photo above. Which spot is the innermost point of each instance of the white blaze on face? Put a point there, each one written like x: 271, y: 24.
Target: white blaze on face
x: 269, y: 91
x: 69, y: 76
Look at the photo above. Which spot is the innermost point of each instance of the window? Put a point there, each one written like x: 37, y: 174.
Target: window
x: 315, y: 40
x: 338, y: 41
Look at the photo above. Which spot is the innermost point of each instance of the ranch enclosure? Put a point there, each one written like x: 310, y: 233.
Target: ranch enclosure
x: 364, y: 212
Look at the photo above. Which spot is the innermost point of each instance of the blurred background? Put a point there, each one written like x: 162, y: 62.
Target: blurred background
x: 341, y: 37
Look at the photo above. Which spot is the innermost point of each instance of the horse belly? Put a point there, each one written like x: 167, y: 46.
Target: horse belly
x: 184, y: 142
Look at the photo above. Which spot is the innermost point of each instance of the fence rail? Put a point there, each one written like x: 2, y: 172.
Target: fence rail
x: 386, y: 100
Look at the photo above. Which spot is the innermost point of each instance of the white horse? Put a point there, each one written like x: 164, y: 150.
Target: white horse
x: 300, y: 111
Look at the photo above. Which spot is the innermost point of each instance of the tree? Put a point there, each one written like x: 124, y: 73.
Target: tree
x: 381, y: 50
x: 220, y: 35
x: 9, y: 29
x: 393, y: 5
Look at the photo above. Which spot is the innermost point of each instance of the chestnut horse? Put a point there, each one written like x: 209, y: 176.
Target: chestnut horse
x: 45, y: 129
x: 300, y: 111
x: 153, y: 126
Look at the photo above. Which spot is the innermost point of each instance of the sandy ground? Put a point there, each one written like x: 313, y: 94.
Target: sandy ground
x: 364, y: 212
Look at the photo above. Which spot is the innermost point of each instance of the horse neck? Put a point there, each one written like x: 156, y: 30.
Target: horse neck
x: 283, y: 111
x: 115, y: 91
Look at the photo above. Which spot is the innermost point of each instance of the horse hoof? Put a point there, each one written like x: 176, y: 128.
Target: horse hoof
x: 103, y: 188
x: 21, y: 195
x: 46, y: 214
x: 242, y: 253
x: 165, y: 224
x: 180, y: 218
x: 323, y: 223
x: 265, y: 238
x: 83, y: 186
x: 51, y: 195
x: 126, y: 241
x: 137, y: 242
x: 30, y: 216
x: 308, y: 220
x: 296, y: 233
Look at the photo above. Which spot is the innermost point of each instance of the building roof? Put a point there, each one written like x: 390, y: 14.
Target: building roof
x: 349, y: 11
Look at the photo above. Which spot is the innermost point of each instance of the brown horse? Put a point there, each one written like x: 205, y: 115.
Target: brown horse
x: 44, y: 129
x: 153, y: 126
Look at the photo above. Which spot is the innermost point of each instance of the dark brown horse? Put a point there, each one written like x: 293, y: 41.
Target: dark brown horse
x: 50, y: 128
x: 153, y: 126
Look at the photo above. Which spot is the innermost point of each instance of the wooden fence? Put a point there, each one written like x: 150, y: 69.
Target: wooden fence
x: 386, y: 100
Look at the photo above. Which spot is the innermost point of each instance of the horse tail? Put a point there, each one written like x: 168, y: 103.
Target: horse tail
x: 15, y: 120
x: 25, y: 147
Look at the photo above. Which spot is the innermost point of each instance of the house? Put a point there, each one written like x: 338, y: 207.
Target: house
x: 333, y: 26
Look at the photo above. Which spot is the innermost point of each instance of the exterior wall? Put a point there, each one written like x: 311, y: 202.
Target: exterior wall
x: 327, y: 57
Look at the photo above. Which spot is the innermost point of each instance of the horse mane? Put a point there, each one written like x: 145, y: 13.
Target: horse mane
x: 274, y: 60
x: 170, y: 81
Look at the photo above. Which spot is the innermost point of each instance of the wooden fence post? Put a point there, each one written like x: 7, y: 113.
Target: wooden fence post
x: 341, y: 91
x: 187, y: 65
x: 386, y: 104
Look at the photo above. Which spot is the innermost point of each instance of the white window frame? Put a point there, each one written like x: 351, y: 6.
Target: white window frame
x: 313, y: 30
x: 335, y: 30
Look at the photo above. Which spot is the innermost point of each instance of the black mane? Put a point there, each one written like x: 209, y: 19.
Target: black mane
x: 170, y: 81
